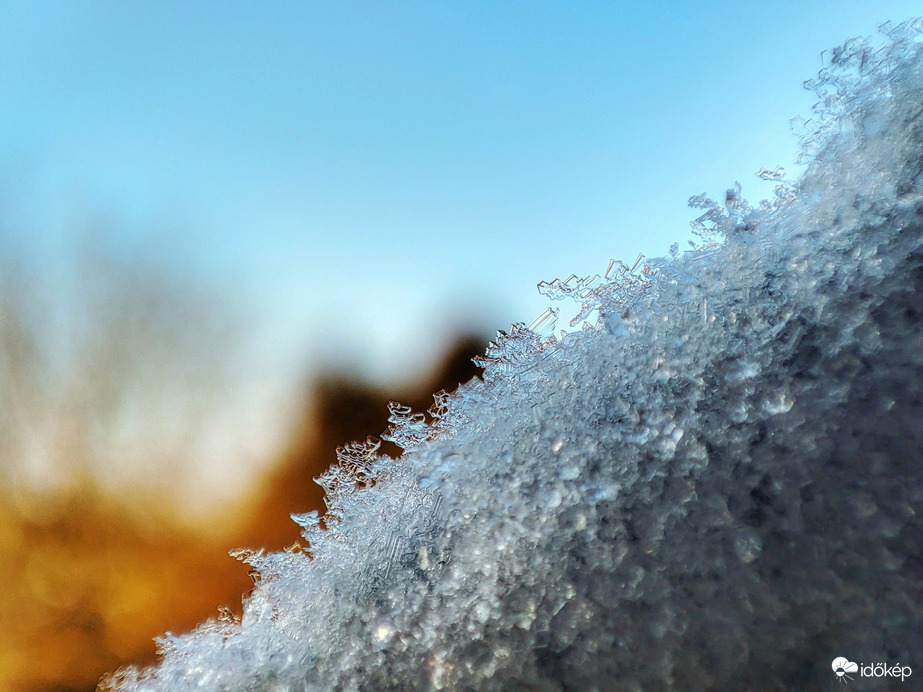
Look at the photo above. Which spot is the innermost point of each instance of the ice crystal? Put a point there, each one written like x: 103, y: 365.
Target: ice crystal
x: 407, y: 429
x: 715, y: 484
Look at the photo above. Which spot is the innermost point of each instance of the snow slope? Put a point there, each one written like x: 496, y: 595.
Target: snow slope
x: 715, y: 483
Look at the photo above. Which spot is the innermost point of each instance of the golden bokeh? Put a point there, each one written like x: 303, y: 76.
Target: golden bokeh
x: 89, y: 579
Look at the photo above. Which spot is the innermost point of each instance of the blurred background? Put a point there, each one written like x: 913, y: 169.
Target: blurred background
x: 229, y: 234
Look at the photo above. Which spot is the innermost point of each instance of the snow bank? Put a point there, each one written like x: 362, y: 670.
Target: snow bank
x: 714, y: 483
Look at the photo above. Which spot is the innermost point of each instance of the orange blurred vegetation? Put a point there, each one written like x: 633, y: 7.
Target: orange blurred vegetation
x: 89, y: 581
x: 108, y: 387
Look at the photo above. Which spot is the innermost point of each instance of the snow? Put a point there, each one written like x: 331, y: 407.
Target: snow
x: 713, y: 482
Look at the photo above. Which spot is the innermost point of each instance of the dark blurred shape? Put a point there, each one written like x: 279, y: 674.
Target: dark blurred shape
x: 345, y: 410
x: 88, y: 581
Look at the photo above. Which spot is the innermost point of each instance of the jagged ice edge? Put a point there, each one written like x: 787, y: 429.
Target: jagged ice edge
x: 526, y: 358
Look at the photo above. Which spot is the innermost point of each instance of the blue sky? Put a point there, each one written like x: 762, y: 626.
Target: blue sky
x: 368, y: 175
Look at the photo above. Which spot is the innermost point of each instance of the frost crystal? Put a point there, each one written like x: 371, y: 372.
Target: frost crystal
x: 715, y: 484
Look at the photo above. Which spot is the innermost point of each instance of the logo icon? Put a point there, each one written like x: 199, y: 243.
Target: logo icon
x: 841, y: 666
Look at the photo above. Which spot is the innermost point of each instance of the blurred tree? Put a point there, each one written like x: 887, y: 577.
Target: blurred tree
x: 98, y: 427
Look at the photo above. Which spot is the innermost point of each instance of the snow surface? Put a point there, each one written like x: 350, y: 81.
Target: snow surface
x: 714, y: 484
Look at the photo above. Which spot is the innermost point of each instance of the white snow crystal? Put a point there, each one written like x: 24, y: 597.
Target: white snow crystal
x: 716, y: 484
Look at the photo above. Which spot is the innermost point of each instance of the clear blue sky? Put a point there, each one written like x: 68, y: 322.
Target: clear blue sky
x: 367, y: 172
